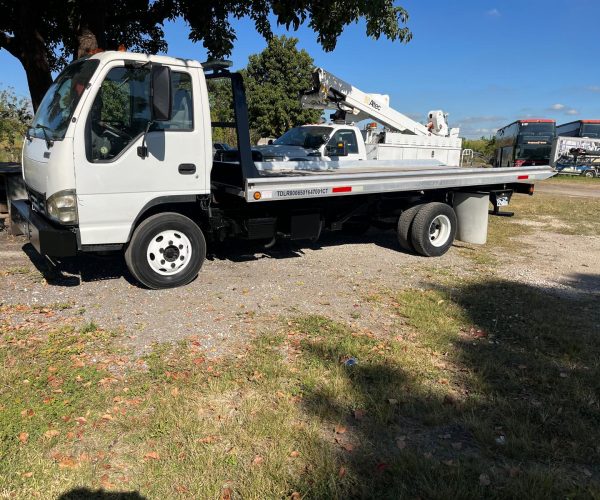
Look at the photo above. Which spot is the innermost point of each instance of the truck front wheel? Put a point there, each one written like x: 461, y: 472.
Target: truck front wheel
x: 433, y: 229
x: 166, y: 250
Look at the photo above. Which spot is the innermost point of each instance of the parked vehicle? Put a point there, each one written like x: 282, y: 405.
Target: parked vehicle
x: 119, y: 158
x: 576, y: 156
x: 580, y: 128
x: 524, y: 142
x: 399, y: 138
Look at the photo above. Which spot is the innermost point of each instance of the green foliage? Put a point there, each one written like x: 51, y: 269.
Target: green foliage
x: 15, y: 116
x: 484, y: 146
x: 220, y: 99
x: 274, y: 80
x: 210, y: 22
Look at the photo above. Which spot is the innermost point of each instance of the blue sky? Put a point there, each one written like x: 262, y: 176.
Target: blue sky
x: 486, y: 63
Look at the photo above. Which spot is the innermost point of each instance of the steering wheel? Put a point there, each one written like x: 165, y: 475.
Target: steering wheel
x: 114, y: 130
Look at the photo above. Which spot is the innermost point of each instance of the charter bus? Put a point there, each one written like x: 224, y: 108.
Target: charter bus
x: 580, y: 128
x: 524, y: 143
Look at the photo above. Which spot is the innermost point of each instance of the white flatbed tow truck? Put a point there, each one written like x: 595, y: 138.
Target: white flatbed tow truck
x: 119, y: 158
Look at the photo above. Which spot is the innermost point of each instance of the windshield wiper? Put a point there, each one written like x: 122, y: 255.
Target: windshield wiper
x: 49, y: 142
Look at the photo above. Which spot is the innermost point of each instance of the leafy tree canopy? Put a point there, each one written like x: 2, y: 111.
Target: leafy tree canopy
x: 15, y: 116
x: 46, y: 35
x: 275, y: 78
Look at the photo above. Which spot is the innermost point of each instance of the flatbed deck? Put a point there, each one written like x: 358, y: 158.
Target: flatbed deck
x: 298, y: 180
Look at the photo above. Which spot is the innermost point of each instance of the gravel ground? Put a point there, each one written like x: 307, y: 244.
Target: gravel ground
x: 242, y: 289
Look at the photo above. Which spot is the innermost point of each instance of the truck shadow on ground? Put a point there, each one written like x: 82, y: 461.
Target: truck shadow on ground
x: 244, y: 251
x: 73, y: 271
x: 520, y: 403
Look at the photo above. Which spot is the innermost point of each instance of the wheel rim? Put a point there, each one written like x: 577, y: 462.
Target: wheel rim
x: 169, y: 252
x: 439, y: 230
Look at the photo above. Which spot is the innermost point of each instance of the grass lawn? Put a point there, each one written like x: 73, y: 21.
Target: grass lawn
x: 481, y: 388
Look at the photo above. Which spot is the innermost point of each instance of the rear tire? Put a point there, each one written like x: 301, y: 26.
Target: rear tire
x: 589, y: 173
x: 404, y: 226
x: 433, y: 229
x: 166, y: 251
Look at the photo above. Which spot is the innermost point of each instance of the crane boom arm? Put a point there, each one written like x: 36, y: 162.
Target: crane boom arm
x: 329, y: 92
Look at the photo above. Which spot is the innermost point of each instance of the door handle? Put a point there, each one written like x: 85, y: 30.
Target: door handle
x: 187, y: 169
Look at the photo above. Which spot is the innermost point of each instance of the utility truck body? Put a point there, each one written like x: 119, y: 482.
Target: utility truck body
x: 120, y: 157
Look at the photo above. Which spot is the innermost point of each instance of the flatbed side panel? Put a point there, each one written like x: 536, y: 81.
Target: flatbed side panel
x: 283, y: 188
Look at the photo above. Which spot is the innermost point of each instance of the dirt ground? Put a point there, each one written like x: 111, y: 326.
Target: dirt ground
x: 242, y: 289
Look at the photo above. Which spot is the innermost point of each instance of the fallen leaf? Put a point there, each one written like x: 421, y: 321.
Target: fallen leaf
x: 342, y: 472
x: 295, y: 496
x: 175, y: 392
x: 294, y: 454
x: 348, y: 447
x: 51, y: 433
x: 257, y: 460
x: 563, y: 375
x: 449, y: 463
x: 66, y: 462
x: 208, y: 439
x: 27, y: 413
x: 587, y: 472
x: 401, y: 444
x: 27, y: 474
x: 393, y: 401
x: 81, y: 420
x: 23, y: 437
x: 181, y: 489
x: 107, y: 417
x: 457, y: 445
x: 484, y: 480
x: 226, y: 494
x: 340, y: 429
x: 152, y: 455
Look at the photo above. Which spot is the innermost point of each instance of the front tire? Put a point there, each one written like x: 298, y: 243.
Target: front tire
x: 433, y: 229
x: 166, y: 251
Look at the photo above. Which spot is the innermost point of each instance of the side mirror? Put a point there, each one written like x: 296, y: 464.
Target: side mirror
x: 161, y: 93
x: 337, y: 149
x: 270, y: 141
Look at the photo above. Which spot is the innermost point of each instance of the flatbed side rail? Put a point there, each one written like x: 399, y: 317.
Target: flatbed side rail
x: 344, y: 184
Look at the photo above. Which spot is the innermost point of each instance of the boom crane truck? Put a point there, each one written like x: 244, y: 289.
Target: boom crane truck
x: 119, y: 158
x: 401, y: 138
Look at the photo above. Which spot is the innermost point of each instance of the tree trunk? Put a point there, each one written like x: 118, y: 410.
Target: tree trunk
x: 28, y: 46
x: 90, y: 30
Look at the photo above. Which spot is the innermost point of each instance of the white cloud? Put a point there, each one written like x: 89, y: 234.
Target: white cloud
x: 557, y: 107
x: 571, y: 112
x: 493, y: 12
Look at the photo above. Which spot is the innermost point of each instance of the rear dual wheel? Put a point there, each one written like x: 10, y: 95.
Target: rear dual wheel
x: 428, y: 229
x: 166, y: 250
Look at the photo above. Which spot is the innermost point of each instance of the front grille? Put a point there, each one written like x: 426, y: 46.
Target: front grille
x: 37, y: 200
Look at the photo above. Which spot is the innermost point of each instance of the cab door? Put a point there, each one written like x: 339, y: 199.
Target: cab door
x: 348, y: 136
x: 114, y: 181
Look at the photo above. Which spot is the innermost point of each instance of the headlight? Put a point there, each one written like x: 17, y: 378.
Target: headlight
x: 62, y: 206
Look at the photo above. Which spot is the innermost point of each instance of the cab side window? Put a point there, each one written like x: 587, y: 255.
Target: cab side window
x: 349, y: 137
x: 120, y: 112
x: 182, y: 117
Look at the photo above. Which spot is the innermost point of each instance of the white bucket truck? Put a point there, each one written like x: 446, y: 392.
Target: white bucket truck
x: 119, y: 158
x: 399, y: 137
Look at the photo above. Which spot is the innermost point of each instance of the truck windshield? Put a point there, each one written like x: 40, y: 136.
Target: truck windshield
x: 536, y: 132
x: 306, y: 137
x: 56, y: 109
x: 591, y: 130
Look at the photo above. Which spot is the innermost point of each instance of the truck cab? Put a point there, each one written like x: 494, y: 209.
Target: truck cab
x: 96, y: 155
x: 326, y: 142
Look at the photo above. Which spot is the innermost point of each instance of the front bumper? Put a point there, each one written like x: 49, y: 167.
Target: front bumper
x: 46, y: 238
